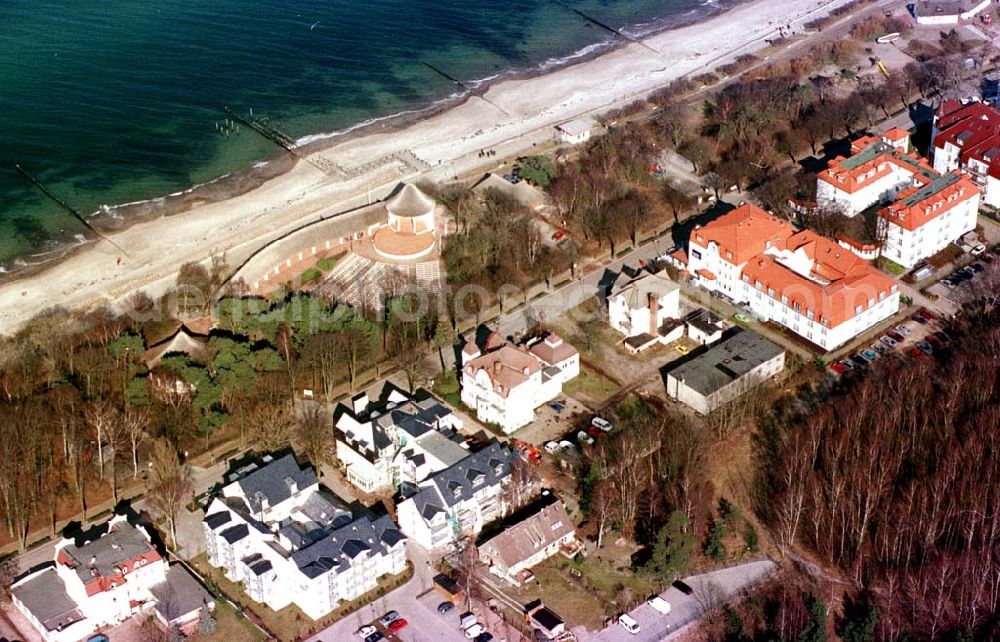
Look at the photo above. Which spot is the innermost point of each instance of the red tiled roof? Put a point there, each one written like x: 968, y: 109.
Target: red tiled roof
x: 852, y: 179
x: 553, y: 350
x: 849, y: 280
x: 974, y: 128
x: 913, y: 215
x: 743, y: 233
x: 507, y: 367
x: 896, y: 134
x: 705, y: 274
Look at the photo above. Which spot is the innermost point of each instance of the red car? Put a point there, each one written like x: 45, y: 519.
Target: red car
x: 838, y: 367
x: 397, y: 625
x: 595, y: 432
x: 918, y: 353
x: 559, y: 235
x: 927, y: 315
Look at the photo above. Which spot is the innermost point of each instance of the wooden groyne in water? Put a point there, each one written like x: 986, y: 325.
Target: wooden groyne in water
x: 286, y: 142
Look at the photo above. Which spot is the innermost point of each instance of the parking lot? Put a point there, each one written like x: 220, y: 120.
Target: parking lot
x: 919, y: 336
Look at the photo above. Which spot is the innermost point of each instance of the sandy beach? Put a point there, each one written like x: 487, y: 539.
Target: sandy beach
x: 356, y: 170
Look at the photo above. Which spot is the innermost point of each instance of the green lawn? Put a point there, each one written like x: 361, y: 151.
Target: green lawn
x: 592, y: 385
x: 586, y: 592
x: 230, y: 625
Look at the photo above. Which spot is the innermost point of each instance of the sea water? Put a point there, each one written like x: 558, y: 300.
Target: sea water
x: 113, y: 101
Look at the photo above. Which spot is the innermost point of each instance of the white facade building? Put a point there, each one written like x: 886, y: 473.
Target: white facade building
x: 574, y: 132
x: 396, y: 439
x: 875, y: 172
x: 966, y: 136
x: 947, y: 12
x: 274, y: 532
x: 97, y: 584
x: 800, y: 280
x: 641, y: 306
x: 457, y: 501
x: 504, y: 383
x: 727, y: 371
x: 924, y: 221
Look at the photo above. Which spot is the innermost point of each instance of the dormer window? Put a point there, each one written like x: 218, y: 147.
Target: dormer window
x: 499, y: 469
x: 857, y: 309
x: 457, y: 492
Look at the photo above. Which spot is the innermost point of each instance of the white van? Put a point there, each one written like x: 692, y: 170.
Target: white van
x: 626, y: 622
x: 659, y: 604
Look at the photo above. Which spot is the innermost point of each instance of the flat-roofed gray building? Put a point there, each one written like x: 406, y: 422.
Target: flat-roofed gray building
x: 725, y: 371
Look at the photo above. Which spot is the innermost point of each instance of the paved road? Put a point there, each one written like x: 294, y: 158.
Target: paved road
x: 709, y: 589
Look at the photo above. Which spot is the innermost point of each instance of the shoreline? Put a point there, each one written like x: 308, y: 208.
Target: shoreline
x: 240, y: 212
x: 111, y: 219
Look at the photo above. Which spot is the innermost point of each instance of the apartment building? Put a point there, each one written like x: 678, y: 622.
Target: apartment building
x: 396, y: 438
x: 457, y: 501
x: 800, y: 280
x: 504, y: 383
x: 966, y: 136
x: 924, y: 220
x: 875, y: 172
x: 285, y: 541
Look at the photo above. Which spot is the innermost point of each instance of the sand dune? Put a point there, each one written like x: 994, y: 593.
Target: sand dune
x: 448, y: 142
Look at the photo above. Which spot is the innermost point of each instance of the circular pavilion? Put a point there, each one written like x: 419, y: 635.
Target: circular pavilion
x: 410, y: 232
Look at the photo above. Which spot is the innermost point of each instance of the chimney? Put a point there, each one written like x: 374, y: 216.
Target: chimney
x: 654, y: 309
x: 360, y: 403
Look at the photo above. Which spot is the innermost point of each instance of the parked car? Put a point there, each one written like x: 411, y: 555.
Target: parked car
x: 869, y: 355
x: 846, y: 364
x: 475, y: 631
x: 921, y: 319
x: 889, y: 341
x: 559, y: 235
x: 977, y: 250
x: 567, y: 446
x: 943, y: 336
x: 628, y: 623
x: 918, y: 353
x: 935, y: 343
x: 948, y: 283
x: 583, y: 438
x: 858, y: 359
x: 879, y: 348
x: 377, y: 636
x: 903, y: 329
x: 601, y: 423
x: 838, y: 367
x: 388, y: 618
x: 977, y: 267
x: 397, y: 625
x: 925, y: 347
x: 484, y: 637
x: 551, y: 447
x: 897, y: 336
x: 445, y: 607
x: 366, y: 630
x: 659, y: 604
x: 682, y: 349
x: 466, y: 620
x: 682, y: 587
x: 594, y: 431
x: 100, y: 637
x: 927, y: 315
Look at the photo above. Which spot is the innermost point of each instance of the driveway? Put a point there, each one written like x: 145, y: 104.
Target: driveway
x: 416, y: 601
x: 709, y: 590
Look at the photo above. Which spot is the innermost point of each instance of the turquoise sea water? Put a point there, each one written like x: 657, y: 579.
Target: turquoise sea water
x: 112, y: 101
